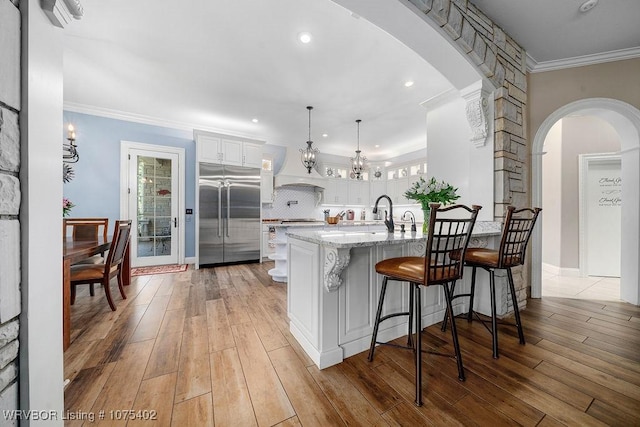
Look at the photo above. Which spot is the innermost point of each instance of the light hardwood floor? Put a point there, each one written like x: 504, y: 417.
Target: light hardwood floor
x: 211, y: 348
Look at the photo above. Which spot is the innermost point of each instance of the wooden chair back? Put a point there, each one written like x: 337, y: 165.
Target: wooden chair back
x: 121, y: 233
x: 449, y: 233
x: 517, y: 229
x: 86, y: 228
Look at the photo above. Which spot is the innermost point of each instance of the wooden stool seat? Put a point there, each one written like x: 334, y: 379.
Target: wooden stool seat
x: 411, y: 269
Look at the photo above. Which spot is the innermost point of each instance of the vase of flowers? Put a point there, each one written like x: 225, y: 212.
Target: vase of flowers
x: 66, y: 206
x: 431, y: 191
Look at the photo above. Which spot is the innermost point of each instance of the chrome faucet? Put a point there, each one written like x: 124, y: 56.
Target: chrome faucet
x: 388, y: 222
x: 413, y: 219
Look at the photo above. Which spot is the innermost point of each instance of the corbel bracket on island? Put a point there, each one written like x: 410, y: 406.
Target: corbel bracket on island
x: 335, y: 260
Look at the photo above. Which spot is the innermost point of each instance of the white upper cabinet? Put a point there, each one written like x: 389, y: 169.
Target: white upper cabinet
x: 358, y: 192
x: 252, y: 155
x: 214, y: 148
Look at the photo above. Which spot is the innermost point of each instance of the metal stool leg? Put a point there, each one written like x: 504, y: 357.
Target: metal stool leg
x: 494, y: 320
x: 472, y: 294
x: 515, y: 306
x: 454, y: 332
x: 410, y: 332
x: 446, y: 312
x: 377, y: 322
x: 418, y: 348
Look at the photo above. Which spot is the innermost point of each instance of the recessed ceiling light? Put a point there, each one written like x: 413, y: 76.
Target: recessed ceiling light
x: 254, y: 120
x: 324, y: 135
x: 304, y: 37
x: 588, y: 5
x: 377, y: 146
x: 408, y: 83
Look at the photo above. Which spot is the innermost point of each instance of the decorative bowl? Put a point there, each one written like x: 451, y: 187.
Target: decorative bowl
x: 333, y: 219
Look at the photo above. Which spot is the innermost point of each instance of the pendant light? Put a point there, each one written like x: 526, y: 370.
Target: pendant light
x: 358, y: 162
x: 308, y: 155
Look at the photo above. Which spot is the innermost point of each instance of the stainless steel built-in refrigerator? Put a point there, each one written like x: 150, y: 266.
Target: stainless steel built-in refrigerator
x: 229, y: 214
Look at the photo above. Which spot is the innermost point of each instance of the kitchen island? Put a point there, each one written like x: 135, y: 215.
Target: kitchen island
x: 333, y: 289
x: 279, y: 272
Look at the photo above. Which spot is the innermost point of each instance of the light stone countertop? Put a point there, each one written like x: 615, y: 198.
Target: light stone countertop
x: 353, y: 238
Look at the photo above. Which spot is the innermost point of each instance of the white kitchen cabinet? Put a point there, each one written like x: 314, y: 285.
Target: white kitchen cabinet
x: 396, y: 189
x: 214, y: 148
x: 209, y: 149
x: 252, y: 155
x: 377, y: 189
x: 266, y: 186
x: 266, y: 179
x: 335, y: 191
x: 358, y: 192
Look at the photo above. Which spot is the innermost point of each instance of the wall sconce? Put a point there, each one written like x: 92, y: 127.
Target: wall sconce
x: 70, y: 150
x: 69, y: 154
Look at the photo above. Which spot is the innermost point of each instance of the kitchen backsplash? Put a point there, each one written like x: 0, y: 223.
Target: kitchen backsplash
x: 303, y: 202
x: 293, y: 202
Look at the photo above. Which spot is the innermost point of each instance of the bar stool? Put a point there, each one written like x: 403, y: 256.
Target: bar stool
x: 516, y: 231
x: 447, y: 235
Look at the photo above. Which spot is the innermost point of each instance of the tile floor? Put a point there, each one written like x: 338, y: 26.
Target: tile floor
x: 591, y: 287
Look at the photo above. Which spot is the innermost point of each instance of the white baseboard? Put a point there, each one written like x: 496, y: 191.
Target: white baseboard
x: 560, y: 271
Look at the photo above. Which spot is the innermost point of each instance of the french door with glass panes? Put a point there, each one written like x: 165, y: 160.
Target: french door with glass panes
x: 153, y: 207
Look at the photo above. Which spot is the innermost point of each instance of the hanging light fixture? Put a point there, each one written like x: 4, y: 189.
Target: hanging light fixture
x: 308, y: 155
x: 358, y: 162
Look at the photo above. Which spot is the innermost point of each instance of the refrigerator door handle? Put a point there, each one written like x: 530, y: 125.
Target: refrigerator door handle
x: 228, y: 205
x: 220, y: 209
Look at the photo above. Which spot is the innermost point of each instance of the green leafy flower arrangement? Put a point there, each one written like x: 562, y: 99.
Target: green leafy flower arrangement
x: 431, y: 192
x: 66, y: 206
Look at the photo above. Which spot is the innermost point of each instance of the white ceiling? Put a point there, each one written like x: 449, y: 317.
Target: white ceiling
x: 216, y: 65
x: 555, y: 30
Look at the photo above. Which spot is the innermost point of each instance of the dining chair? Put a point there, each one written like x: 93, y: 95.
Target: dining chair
x: 448, y: 233
x: 86, y: 229
x: 112, y: 267
x: 516, y: 231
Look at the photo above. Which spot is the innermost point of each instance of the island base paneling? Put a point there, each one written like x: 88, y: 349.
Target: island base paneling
x: 333, y: 325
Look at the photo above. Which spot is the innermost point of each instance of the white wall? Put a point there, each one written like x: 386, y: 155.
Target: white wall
x: 41, y: 361
x: 452, y: 157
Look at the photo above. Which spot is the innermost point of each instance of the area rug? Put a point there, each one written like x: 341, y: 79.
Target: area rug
x: 158, y: 269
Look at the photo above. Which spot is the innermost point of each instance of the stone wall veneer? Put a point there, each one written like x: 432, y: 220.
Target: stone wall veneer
x: 502, y: 61
x: 10, y: 299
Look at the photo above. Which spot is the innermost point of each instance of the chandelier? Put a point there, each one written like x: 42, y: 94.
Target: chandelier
x: 308, y: 155
x: 358, y: 162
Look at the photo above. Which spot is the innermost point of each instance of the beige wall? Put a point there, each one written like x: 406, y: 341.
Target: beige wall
x: 566, y: 140
x: 551, y: 90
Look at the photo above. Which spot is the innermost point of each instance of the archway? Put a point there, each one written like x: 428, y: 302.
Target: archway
x: 626, y: 120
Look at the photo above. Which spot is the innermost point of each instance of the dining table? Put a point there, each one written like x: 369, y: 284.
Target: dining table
x: 75, y: 250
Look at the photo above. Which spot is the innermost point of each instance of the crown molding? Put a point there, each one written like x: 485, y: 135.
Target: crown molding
x: 580, y: 61
x: 149, y: 120
x: 440, y: 99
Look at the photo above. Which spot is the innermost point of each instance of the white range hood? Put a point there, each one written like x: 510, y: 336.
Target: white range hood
x: 293, y: 173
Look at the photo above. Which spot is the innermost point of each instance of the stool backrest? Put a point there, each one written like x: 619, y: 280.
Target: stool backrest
x: 517, y: 229
x: 449, y: 233
x: 86, y: 228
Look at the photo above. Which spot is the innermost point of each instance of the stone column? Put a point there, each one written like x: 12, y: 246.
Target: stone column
x: 502, y: 61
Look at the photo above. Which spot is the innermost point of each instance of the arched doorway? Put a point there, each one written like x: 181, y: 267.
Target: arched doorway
x: 626, y: 120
